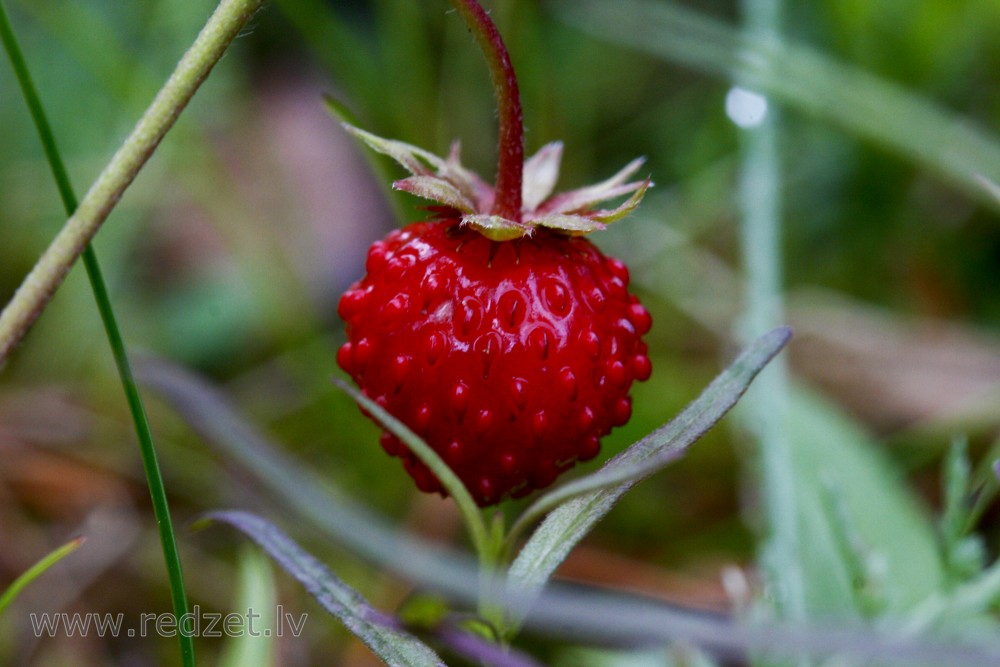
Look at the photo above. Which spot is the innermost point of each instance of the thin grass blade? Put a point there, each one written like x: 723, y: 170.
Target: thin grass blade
x: 37, y: 570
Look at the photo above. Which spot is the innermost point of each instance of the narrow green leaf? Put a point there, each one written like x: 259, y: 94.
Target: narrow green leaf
x: 303, y: 490
x: 256, y: 593
x: 466, y: 505
x: 856, y: 100
x: 37, y: 570
x: 583, y: 503
x: 955, y: 475
x: 380, y: 632
x: 147, y: 448
x: 829, y: 449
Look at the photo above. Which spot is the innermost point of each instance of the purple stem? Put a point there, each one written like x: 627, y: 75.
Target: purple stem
x: 510, y: 161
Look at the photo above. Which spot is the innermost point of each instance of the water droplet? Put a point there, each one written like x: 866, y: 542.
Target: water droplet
x: 746, y: 108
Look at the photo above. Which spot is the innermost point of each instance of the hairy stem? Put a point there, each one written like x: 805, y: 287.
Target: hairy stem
x: 510, y: 161
x: 50, y: 270
x: 154, y: 479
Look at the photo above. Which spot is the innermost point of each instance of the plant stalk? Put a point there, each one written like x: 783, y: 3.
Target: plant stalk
x: 765, y: 411
x: 510, y: 159
x: 51, y: 269
x: 154, y: 478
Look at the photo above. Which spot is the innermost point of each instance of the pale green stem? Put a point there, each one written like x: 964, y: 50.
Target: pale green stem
x: 50, y: 270
x: 765, y: 410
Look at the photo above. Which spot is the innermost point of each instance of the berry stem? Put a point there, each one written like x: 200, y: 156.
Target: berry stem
x: 510, y: 161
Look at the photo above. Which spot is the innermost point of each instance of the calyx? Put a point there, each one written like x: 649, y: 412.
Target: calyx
x: 446, y: 182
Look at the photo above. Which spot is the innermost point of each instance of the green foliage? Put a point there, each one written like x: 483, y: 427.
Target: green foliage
x: 229, y: 252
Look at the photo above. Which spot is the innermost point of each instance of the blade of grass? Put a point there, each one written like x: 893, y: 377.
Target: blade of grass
x: 450, y: 481
x: 256, y: 593
x: 154, y: 478
x: 765, y: 411
x: 39, y: 568
x: 382, y: 633
x: 856, y: 100
x: 302, y: 490
x: 48, y: 273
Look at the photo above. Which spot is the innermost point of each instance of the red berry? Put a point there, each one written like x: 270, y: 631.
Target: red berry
x: 510, y: 358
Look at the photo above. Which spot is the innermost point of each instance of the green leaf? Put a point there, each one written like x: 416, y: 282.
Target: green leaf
x: 807, y: 79
x: 37, y: 570
x: 581, y: 504
x: 256, y: 593
x: 829, y: 450
x: 301, y: 489
x: 589, y: 616
x: 466, y: 505
x: 377, y: 630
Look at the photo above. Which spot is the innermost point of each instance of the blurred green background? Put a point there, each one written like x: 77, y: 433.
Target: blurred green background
x: 230, y: 251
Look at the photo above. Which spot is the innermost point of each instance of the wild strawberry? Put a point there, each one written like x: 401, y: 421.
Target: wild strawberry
x: 496, y: 331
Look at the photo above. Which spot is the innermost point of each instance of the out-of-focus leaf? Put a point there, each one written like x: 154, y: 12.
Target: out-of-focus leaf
x: 37, y: 570
x: 856, y: 100
x: 256, y: 593
x: 378, y: 631
x: 303, y: 491
x: 593, y: 497
x: 584, y: 616
x: 830, y: 451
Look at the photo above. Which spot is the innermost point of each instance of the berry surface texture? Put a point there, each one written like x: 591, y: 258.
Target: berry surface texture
x: 512, y: 359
